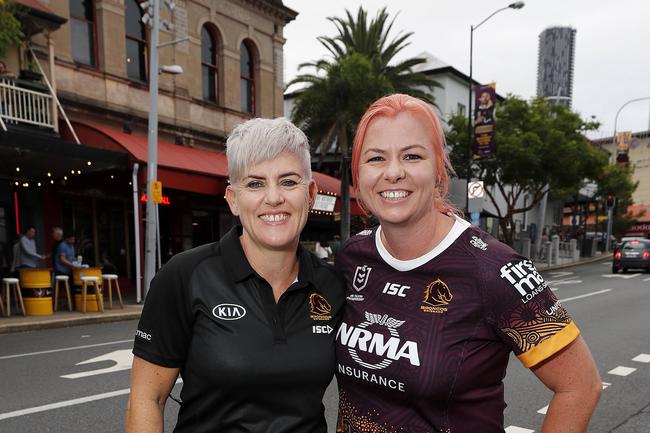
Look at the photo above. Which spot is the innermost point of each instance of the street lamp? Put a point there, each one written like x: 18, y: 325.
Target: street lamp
x: 610, y: 211
x: 515, y: 5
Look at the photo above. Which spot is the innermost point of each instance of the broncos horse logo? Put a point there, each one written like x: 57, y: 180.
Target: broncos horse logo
x: 437, y: 294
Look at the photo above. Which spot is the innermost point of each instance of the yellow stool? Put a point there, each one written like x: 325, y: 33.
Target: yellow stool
x: 85, y: 282
x: 109, y: 284
x: 62, y: 280
x: 8, y: 283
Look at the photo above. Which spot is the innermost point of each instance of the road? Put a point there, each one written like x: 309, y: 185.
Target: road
x: 76, y: 379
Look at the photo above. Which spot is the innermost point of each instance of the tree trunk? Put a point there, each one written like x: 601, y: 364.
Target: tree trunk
x: 345, y: 188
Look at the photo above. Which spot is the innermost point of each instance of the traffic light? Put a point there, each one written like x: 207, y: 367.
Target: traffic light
x: 610, y: 200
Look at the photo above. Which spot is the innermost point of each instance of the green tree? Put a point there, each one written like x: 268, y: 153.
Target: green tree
x: 617, y: 181
x: 342, y: 87
x: 10, y: 28
x: 540, y: 148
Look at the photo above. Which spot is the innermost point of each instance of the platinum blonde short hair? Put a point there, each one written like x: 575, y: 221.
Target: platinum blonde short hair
x: 258, y: 140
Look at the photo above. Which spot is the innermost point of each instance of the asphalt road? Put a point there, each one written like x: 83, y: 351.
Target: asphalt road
x: 47, y: 387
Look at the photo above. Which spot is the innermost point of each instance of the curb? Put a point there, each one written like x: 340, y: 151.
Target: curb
x: 580, y: 262
x: 67, y: 322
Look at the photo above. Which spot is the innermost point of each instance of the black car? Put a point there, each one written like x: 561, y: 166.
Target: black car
x: 633, y: 253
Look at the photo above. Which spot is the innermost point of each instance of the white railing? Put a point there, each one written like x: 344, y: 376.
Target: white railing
x: 20, y: 105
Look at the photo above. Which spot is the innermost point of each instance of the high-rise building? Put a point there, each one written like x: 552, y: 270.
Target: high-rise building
x: 555, y: 64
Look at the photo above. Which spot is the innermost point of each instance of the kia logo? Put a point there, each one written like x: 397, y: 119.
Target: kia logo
x: 228, y: 311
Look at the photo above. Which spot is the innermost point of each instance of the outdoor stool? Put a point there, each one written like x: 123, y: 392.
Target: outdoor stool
x: 85, y: 282
x: 8, y: 283
x: 109, y: 283
x: 62, y: 280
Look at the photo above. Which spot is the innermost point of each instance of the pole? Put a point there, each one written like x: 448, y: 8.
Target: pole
x: 470, y: 135
x: 136, y: 233
x: 619, y: 112
x: 610, y: 216
x: 152, y: 149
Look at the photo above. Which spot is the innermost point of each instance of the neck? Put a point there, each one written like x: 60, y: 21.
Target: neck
x: 406, y: 242
x: 278, y: 267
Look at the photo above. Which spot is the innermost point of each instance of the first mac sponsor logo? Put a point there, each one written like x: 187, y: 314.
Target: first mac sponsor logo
x: 228, y: 311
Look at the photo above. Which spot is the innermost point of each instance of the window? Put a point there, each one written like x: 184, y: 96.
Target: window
x: 460, y: 109
x: 247, y: 79
x: 209, y: 68
x: 82, y: 23
x: 135, y: 42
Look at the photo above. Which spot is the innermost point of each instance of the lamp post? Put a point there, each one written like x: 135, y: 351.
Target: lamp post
x: 152, y: 18
x: 470, y: 144
x: 610, y: 211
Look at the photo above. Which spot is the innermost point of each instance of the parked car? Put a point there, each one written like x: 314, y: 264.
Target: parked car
x: 633, y: 253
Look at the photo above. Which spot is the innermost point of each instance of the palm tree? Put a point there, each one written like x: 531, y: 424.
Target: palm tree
x: 341, y: 88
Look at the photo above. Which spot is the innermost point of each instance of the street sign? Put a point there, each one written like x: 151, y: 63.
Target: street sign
x: 475, y: 189
x: 156, y: 192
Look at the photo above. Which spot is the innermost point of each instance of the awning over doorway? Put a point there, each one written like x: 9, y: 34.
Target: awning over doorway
x: 179, y: 167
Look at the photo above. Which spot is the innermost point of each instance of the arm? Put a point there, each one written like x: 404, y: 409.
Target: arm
x: 28, y: 248
x: 150, y: 387
x: 67, y: 262
x: 572, y: 376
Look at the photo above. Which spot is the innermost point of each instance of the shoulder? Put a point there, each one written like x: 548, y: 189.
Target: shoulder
x: 186, y: 262
x: 489, y: 252
x: 322, y: 271
x: 359, y: 240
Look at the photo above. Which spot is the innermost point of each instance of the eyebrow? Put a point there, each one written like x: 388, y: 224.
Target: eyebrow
x: 403, y: 149
x: 259, y: 177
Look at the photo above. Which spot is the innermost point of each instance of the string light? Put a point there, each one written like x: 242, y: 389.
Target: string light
x: 89, y: 163
x: 39, y: 184
x: 16, y: 183
x: 18, y: 169
x: 78, y: 171
x: 72, y: 171
x: 65, y: 177
x: 49, y: 174
x: 112, y: 177
x: 52, y: 181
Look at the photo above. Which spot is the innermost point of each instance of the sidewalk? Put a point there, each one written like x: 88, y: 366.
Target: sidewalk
x: 132, y: 310
x: 543, y: 266
x: 65, y: 318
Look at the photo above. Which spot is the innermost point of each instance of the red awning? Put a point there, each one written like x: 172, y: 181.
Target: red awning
x: 179, y: 167
x: 333, y: 185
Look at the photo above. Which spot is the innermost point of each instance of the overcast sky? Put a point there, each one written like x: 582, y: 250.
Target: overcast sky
x: 612, y: 63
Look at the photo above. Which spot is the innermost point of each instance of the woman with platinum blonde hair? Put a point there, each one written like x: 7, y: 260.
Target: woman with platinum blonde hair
x: 247, y: 321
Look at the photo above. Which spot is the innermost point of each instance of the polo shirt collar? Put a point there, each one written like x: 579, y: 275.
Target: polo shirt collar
x: 240, y: 267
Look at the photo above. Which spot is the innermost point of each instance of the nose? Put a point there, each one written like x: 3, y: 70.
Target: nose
x: 394, y: 170
x: 274, y: 196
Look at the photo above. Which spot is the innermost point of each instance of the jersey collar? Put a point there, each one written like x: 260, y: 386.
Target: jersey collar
x: 240, y: 268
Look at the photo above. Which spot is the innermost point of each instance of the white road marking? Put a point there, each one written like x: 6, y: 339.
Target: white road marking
x: 586, y: 295
x: 43, y: 352
x: 606, y: 384
x: 622, y: 371
x: 646, y: 279
x: 122, y: 358
x: 644, y: 357
x: 562, y: 282
x: 624, y: 276
x: 66, y: 403
x: 543, y: 410
x: 560, y: 274
x: 515, y: 429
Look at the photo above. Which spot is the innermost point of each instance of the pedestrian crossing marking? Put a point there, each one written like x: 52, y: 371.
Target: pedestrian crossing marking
x: 622, y: 371
x: 644, y: 357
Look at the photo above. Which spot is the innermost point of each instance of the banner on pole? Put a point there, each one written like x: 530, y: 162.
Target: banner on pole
x: 485, y: 103
x: 156, y: 192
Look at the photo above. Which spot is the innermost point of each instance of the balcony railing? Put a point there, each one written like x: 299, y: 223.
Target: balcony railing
x: 20, y: 105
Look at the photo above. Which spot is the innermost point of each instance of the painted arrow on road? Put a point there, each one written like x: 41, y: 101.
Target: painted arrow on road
x: 122, y: 359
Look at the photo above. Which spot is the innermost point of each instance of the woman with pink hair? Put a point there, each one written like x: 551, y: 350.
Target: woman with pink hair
x: 435, y: 306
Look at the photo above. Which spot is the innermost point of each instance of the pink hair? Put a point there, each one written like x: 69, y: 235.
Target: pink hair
x: 391, y: 106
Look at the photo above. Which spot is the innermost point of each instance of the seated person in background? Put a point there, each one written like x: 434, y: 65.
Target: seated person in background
x: 64, y: 259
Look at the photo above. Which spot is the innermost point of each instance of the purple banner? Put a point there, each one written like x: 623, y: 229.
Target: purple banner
x: 485, y: 103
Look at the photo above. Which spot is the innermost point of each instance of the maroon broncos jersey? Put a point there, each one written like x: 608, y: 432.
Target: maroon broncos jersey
x: 424, y: 343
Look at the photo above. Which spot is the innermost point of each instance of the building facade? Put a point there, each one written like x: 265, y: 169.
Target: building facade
x: 555, y: 64
x: 83, y: 166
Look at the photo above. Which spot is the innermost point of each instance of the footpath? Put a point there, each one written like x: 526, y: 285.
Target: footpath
x: 132, y: 310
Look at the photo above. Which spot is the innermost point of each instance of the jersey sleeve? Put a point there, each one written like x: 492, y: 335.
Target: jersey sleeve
x: 164, y: 330
x: 527, y: 315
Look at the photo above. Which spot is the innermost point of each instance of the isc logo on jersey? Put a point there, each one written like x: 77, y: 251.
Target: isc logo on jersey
x: 395, y: 289
x: 524, y: 277
x: 371, y: 337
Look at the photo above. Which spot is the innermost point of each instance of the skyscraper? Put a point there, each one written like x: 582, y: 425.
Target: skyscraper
x: 555, y: 64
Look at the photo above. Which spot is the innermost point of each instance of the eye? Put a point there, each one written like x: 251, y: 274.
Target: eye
x: 375, y: 159
x: 412, y: 157
x: 255, y: 184
x: 288, y: 183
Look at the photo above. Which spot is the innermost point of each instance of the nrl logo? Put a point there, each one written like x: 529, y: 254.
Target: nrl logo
x: 361, y: 276
x: 478, y: 243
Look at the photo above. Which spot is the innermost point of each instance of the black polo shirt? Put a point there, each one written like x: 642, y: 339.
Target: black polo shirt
x: 247, y: 363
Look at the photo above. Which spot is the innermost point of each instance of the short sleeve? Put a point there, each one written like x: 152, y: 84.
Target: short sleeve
x: 527, y: 315
x: 164, y: 330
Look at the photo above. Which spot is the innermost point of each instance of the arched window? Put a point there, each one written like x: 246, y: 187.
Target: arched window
x: 136, y: 42
x: 82, y: 29
x: 209, y: 66
x: 246, y: 78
